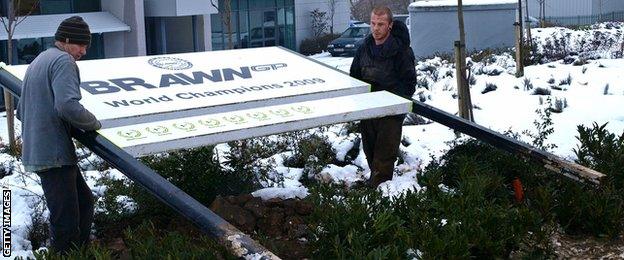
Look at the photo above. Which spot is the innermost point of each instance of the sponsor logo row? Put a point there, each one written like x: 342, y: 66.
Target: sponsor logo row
x: 211, y: 122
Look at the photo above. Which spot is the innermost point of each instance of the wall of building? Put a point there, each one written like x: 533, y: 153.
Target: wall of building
x: 571, y: 8
x: 303, y: 20
x: 562, y: 7
x: 434, y: 29
x: 607, y: 6
x: 124, y: 44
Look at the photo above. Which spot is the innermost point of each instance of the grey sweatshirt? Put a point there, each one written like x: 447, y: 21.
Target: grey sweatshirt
x: 49, y: 108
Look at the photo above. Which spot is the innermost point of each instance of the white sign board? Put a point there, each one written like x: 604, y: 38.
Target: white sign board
x: 148, y: 138
x: 134, y: 90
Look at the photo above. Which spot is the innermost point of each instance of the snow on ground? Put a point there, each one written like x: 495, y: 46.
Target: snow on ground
x: 602, y: 40
x: 594, y: 94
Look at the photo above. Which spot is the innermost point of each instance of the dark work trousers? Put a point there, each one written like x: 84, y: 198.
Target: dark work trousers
x: 70, y: 203
x: 381, y: 138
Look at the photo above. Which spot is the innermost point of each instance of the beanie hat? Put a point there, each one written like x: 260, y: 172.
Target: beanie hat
x: 73, y: 30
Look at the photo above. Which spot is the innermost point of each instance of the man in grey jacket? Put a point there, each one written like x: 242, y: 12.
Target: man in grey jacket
x: 50, y: 111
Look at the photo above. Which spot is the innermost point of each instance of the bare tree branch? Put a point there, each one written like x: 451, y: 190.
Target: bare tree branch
x: 4, y: 23
x: 20, y: 19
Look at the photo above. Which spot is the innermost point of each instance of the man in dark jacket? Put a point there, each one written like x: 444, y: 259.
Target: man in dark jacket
x: 49, y: 110
x: 386, y: 61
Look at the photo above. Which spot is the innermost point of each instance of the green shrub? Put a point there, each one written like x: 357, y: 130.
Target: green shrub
x: 149, y: 242
x: 113, y: 217
x: 602, y: 151
x: 311, y: 46
x: 244, y: 159
x: 465, y: 210
x: 356, y: 225
x: 312, y: 153
x: 589, y: 210
x: 543, y: 127
x: 480, y: 198
x: 195, y: 171
x: 96, y: 252
x: 39, y: 229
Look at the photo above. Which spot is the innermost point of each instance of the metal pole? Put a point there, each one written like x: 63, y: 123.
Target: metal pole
x: 239, y: 244
x: 528, y: 26
x: 519, y: 49
x: 549, y: 161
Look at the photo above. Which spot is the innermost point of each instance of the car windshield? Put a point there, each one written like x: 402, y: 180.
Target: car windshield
x: 355, y: 32
x: 401, y: 17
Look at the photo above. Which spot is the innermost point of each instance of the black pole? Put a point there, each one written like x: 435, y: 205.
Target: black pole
x: 237, y: 242
x: 550, y: 161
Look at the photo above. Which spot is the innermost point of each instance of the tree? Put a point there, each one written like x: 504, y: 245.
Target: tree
x: 225, y: 12
x: 463, y: 89
x: 542, y: 12
x: 319, y: 22
x: 519, y: 42
x: 331, y: 9
x: 15, y: 15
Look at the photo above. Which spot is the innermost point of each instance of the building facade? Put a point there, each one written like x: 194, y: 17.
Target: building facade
x: 578, y: 12
x: 149, y: 27
x: 122, y: 28
x: 436, y: 25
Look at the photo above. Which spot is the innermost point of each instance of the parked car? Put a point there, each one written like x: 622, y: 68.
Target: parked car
x: 356, y: 23
x: 349, y: 40
x: 534, y: 22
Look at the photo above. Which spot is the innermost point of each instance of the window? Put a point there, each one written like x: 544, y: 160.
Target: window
x: 55, y: 6
x: 81, y: 6
x: 243, y: 26
x: 27, y: 6
x: 28, y: 49
x: 256, y: 23
x: 217, y: 32
x: 356, y: 32
x: 66, y: 6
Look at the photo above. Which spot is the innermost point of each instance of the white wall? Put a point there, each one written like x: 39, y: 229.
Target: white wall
x: 608, y: 6
x: 170, y: 8
x: 435, y: 29
x: 562, y: 8
x: 124, y: 44
x: 303, y: 20
x: 570, y: 8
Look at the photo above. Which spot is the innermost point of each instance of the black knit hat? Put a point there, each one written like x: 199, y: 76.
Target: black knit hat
x: 73, y: 30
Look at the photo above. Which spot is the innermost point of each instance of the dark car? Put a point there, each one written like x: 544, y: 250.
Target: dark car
x: 349, y: 40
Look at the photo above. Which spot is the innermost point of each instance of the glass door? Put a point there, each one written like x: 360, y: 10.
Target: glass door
x: 263, y: 31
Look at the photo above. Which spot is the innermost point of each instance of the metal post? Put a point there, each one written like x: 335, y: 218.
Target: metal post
x: 528, y: 26
x: 239, y: 244
x: 519, y: 58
